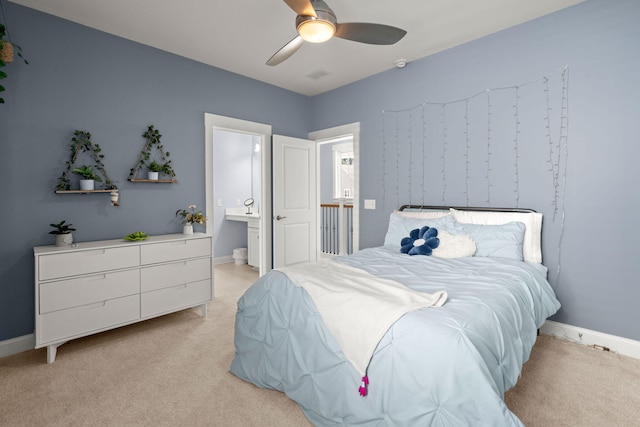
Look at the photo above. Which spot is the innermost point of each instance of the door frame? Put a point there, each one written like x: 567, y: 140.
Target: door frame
x: 263, y: 132
x: 323, y: 135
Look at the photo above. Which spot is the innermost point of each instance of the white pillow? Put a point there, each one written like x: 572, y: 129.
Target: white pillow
x: 531, y: 248
x: 429, y: 214
x: 454, y: 246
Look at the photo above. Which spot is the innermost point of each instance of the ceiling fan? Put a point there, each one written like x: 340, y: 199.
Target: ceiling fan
x: 316, y: 23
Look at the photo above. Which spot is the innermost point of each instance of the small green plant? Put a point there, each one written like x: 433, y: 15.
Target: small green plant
x: 163, y: 168
x: 155, y: 166
x: 87, y: 173
x: 62, y: 228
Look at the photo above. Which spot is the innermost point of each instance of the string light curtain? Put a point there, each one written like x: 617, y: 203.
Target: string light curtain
x: 500, y: 147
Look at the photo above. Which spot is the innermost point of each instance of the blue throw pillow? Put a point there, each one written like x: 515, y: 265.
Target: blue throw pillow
x: 421, y: 241
x: 400, y: 226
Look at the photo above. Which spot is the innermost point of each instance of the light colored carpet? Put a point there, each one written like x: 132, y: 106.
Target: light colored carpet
x: 174, y: 370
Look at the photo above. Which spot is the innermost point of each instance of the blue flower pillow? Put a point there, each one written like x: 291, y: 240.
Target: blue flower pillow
x: 400, y: 226
x: 421, y: 241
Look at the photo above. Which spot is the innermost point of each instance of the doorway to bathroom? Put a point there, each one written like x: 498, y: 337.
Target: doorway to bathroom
x: 237, y: 168
x: 263, y: 133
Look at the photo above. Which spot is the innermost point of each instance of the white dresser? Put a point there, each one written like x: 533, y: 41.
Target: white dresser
x: 96, y: 286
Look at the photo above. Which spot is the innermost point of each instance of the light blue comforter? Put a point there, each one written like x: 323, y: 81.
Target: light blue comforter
x: 443, y: 366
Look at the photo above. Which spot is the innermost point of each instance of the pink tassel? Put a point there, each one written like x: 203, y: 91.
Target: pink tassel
x: 363, y: 386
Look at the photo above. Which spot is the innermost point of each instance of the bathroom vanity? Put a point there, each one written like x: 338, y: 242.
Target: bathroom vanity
x: 253, y: 232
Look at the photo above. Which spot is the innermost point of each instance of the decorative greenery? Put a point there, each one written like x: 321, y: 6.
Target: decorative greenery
x: 163, y: 168
x: 153, y: 140
x: 17, y: 49
x: 62, y: 228
x: 81, y: 143
x: 87, y: 173
x: 191, y: 217
x: 155, y: 167
x: 136, y: 236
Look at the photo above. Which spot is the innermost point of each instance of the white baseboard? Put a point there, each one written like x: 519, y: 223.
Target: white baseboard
x: 223, y: 260
x: 620, y: 345
x: 17, y: 345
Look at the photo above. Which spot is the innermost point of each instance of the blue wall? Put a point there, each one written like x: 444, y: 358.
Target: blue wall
x: 80, y: 78
x: 599, y: 41
x: 84, y: 79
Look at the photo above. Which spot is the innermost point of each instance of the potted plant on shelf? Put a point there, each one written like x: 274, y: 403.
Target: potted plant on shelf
x: 63, y: 233
x: 190, y: 217
x: 88, y: 183
x: 156, y: 169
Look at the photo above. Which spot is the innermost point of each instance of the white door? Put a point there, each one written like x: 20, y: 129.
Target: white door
x: 294, y: 201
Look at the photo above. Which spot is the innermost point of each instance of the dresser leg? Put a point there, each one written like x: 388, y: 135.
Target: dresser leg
x: 203, y: 310
x: 51, y: 352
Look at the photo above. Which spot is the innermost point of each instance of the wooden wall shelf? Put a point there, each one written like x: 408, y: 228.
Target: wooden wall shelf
x: 82, y: 191
x: 161, y: 181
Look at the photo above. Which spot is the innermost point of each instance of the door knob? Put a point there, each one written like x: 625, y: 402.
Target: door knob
x: 280, y: 217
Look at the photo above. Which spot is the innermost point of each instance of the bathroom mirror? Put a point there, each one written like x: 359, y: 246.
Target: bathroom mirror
x: 248, y: 204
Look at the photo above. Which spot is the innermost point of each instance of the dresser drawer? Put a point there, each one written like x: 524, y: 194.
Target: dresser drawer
x: 175, y: 298
x: 176, y: 250
x: 175, y: 273
x: 77, y: 321
x: 62, y: 294
x: 67, y: 264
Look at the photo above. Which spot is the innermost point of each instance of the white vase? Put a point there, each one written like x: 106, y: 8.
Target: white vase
x: 87, y: 184
x: 64, y: 239
x: 153, y: 176
x: 187, y: 229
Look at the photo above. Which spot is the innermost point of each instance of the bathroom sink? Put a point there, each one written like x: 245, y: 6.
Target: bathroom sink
x: 240, y: 214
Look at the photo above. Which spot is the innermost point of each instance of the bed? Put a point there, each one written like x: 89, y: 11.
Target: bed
x: 443, y: 361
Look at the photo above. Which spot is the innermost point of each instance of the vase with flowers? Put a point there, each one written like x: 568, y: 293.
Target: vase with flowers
x: 189, y: 217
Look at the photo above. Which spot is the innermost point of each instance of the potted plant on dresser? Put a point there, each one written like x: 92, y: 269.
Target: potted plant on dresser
x: 88, y: 183
x: 189, y: 217
x: 63, y: 233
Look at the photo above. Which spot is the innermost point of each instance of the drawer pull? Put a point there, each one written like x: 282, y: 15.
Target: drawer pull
x: 95, y: 305
x: 179, y: 242
x: 95, y: 252
x: 98, y: 277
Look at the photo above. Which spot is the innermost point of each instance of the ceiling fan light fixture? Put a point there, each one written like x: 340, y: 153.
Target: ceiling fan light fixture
x: 316, y: 30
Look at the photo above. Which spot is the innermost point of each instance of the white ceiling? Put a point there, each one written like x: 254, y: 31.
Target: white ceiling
x: 240, y: 35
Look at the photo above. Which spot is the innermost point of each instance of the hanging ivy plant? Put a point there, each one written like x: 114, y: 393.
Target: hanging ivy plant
x: 7, y: 50
x: 81, y: 143
x: 153, y: 136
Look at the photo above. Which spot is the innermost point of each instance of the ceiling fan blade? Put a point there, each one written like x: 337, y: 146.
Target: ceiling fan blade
x: 301, y: 7
x: 369, y: 33
x: 286, y: 51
